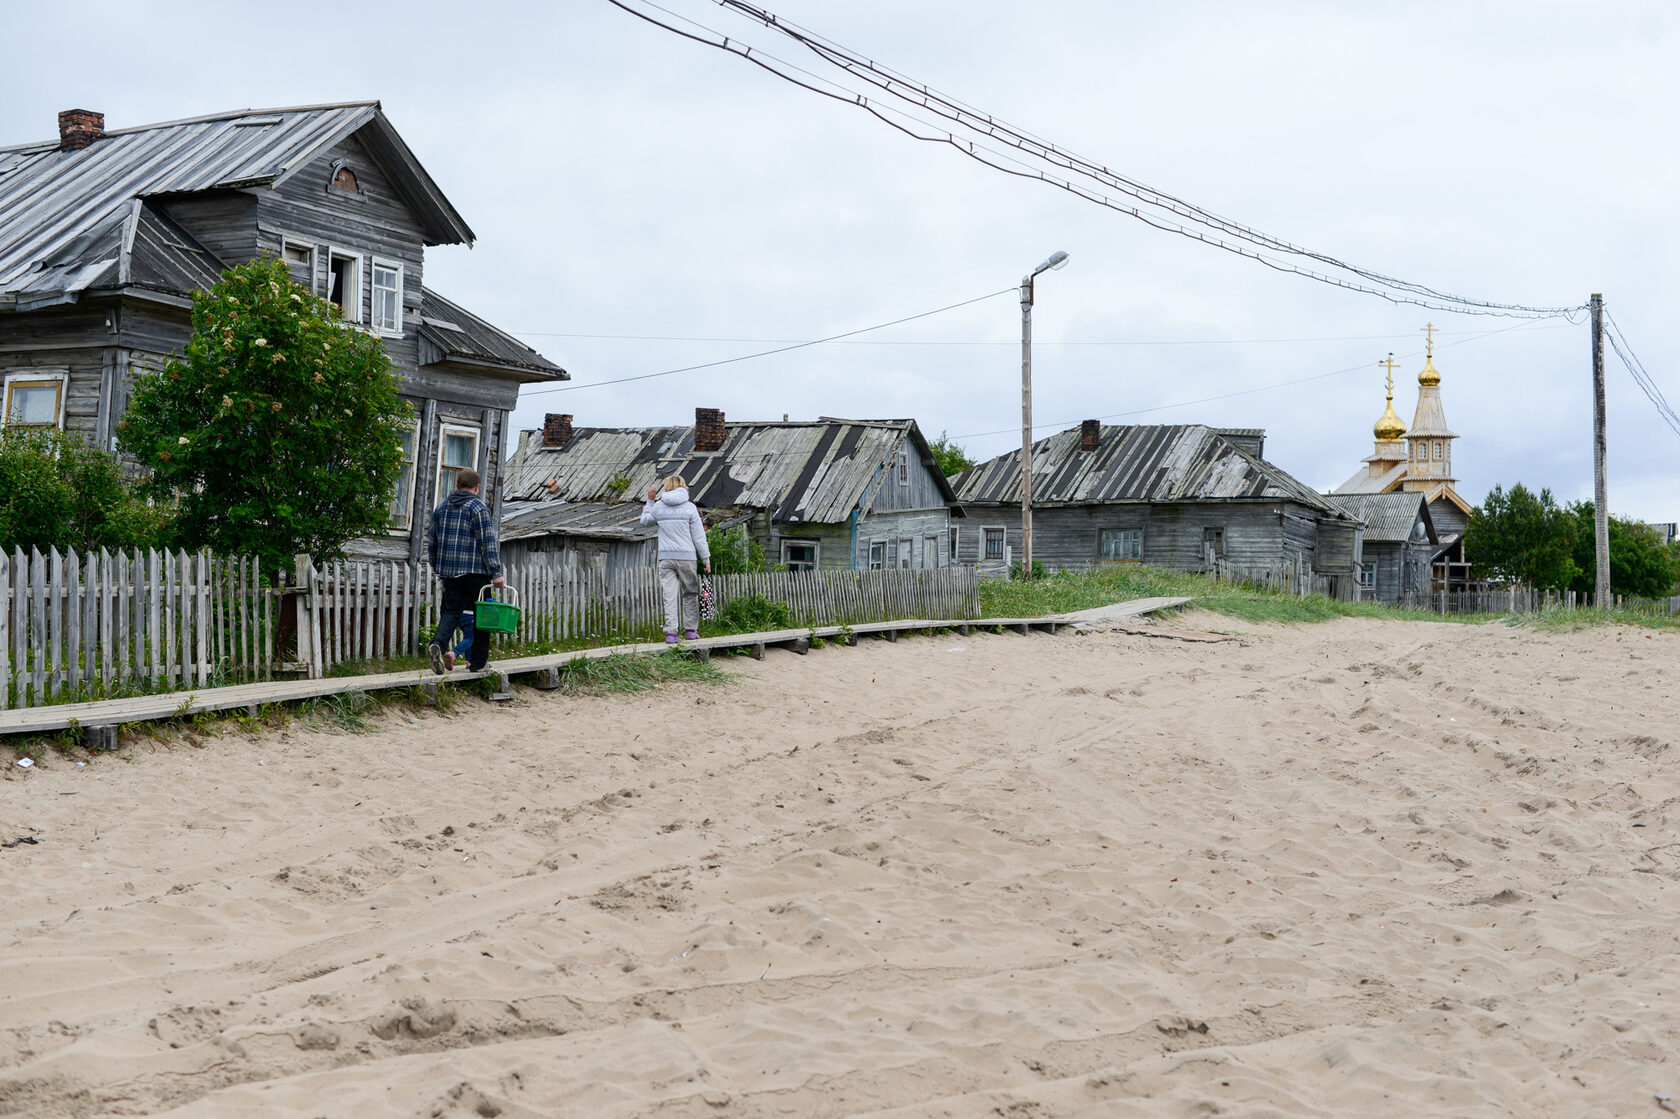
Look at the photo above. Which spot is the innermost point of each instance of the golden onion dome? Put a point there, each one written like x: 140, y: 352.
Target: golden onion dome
x: 1389, y: 426
x: 1429, y: 376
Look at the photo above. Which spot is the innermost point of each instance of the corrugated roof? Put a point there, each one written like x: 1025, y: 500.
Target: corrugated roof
x: 616, y: 520
x: 1134, y: 463
x: 801, y: 471
x: 1389, y: 517
x: 460, y: 335
x: 59, y: 208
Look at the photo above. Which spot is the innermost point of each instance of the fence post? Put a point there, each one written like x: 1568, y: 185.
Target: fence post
x: 307, y: 656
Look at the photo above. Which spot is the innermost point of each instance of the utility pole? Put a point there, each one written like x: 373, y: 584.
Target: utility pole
x: 1601, y: 489
x: 1056, y: 260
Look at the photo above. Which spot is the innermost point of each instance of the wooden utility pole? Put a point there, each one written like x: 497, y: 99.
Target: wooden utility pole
x: 1601, y: 489
x: 1026, y: 426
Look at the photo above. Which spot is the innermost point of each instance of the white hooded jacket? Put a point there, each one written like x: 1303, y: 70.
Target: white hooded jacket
x: 682, y: 535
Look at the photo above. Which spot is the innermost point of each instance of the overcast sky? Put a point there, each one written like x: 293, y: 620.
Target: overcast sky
x: 644, y: 202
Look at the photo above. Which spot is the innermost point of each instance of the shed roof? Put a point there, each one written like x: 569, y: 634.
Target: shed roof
x: 458, y: 335
x: 609, y: 520
x: 1389, y: 517
x: 802, y: 471
x: 59, y: 209
x: 1146, y: 462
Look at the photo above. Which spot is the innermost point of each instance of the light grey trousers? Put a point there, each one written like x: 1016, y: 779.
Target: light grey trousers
x: 680, y: 582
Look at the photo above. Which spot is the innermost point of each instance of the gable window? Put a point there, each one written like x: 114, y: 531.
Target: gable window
x: 35, y: 400
x: 387, y: 296
x: 345, y: 179
x: 930, y: 551
x: 457, y: 450
x: 877, y: 554
x: 994, y: 543
x: 344, y: 284
x: 402, y: 495
x: 903, y: 468
x: 799, y: 555
x: 1120, y: 545
x: 300, y: 261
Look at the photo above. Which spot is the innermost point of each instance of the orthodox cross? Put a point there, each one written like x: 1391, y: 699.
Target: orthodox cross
x: 1429, y: 332
x: 1390, y: 364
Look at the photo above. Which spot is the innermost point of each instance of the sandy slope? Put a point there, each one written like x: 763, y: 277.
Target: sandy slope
x: 1363, y: 868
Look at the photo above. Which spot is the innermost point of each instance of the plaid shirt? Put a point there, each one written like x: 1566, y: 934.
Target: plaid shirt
x: 463, y: 539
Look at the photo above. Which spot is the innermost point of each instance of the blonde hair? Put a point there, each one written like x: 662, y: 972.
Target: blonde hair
x: 675, y: 482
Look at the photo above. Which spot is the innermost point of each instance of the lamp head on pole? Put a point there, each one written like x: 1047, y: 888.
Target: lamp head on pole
x: 1057, y: 259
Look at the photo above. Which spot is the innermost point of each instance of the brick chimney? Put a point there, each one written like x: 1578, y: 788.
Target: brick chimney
x: 708, y: 430
x: 557, y: 429
x: 1089, y: 432
x: 77, y: 128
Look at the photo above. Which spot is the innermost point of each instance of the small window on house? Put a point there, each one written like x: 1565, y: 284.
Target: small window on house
x: 1120, y: 545
x: 903, y: 468
x: 387, y: 297
x: 954, y: 539
x: 402, y: 496
x: 994, y: 543
x: 1213, y: 543
x: 1368, y: 575
x: 300, y: 261
x: 799, y: 555
x: 457, y: 450
x: 344, y: 284
x: 35, y: 400
x: 906, y: 553
x: 877, y: 554
x: 1437, y: 452
x: 930, y: 551
x: 345, y: 179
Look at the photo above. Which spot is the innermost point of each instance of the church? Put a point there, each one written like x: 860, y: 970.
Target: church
x: 1419, y: 460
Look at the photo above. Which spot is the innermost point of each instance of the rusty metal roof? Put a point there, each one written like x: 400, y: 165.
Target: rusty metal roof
x: 59, y: 209
x: 1154, y: 462
x: 803, y: 471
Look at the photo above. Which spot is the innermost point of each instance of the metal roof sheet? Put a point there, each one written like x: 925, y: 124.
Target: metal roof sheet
x: 461, y: 335
x: 1146, y: 462
x: 801, y: 471
x: 1389, y: 517
x: 52, y: 201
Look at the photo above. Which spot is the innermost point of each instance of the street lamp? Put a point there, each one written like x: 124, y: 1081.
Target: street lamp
x: 1056, y: 260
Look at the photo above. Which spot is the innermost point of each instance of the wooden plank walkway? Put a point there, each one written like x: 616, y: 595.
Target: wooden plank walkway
x: 98, y: 719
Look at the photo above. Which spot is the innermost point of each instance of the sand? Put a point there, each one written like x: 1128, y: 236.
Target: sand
x: 1359, y: 868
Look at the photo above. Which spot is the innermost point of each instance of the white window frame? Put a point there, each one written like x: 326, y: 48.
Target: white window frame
x: 353, y: 299
x: 409, y: 473
x: 1136, y: 555
x: 287, y: 241
x: 877, y: 555
x: 1001, y: 536
x: 445, y: 430
x: 1368, y: 575
x: 375, y: 264
x: 35, y: 378
x: 803, y: 542
x: 1437, y: 450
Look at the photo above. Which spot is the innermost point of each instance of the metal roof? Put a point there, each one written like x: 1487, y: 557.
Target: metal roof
x: 1153, y: 462
x: 1389, y: 517
x: 617, y: 520
x: 59, y: 209
x: 801, y: 471
x: 459, y: 335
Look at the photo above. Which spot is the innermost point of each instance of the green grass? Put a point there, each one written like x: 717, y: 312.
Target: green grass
x: 1568, y: 621
x: 625, y: 672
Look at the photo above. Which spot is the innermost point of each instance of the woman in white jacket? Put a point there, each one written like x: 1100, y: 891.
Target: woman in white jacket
x: 682, y: 544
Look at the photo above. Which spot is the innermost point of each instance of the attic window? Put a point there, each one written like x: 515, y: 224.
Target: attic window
x: 345, y: 179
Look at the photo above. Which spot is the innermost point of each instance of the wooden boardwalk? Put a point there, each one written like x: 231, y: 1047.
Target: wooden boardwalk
x: 98, y: 720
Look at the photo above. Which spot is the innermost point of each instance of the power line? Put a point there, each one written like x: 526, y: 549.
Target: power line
x: 1636, y: 369
x: 767, y: 353
x: 1220, y: 232
x: 1012, y: 343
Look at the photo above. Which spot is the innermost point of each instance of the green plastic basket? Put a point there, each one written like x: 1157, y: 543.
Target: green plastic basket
x: 496, y: 617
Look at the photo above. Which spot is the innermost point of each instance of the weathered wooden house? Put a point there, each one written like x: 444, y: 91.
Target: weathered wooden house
x: 1397, y: 544
x: 105, y: 235
x: 828, y: 494
x: 1186, y: 496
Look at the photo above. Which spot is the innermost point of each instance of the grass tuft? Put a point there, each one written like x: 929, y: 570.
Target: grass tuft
x: 623, y: 673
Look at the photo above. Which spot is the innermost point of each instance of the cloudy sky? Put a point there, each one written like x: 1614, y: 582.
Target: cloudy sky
x: 644, y: 202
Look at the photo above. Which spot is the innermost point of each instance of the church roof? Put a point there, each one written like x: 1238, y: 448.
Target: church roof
x: 1362, y: 482
x: 1430, y: 419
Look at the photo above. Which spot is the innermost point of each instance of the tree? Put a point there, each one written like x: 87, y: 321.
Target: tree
x: 1522, y: 538
x: 950, y: 457
x: 1640, y: 563
x: 278, y: 428
x: 58, y: 491
x: 734, y: 551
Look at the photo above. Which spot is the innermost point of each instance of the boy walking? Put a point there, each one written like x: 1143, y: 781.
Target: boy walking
x: 465, y: 555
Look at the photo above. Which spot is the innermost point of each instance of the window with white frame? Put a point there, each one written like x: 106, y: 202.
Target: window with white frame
x: 35, y: 399
x: 799, y: 555
x: 344, y: 283
x: 299, y: 258
x: 994, y: 543
x: 1368, y: 575
x: 457, y: 451
x: 877, y: 554
x: 906, y: 553
x: 1437, y: 452
x: 930, y: 551
x: 402, y: 495
x: 1120, y: 545
x: 387, y: 296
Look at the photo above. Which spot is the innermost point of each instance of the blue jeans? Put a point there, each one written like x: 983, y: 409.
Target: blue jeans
x: 455, y: 612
